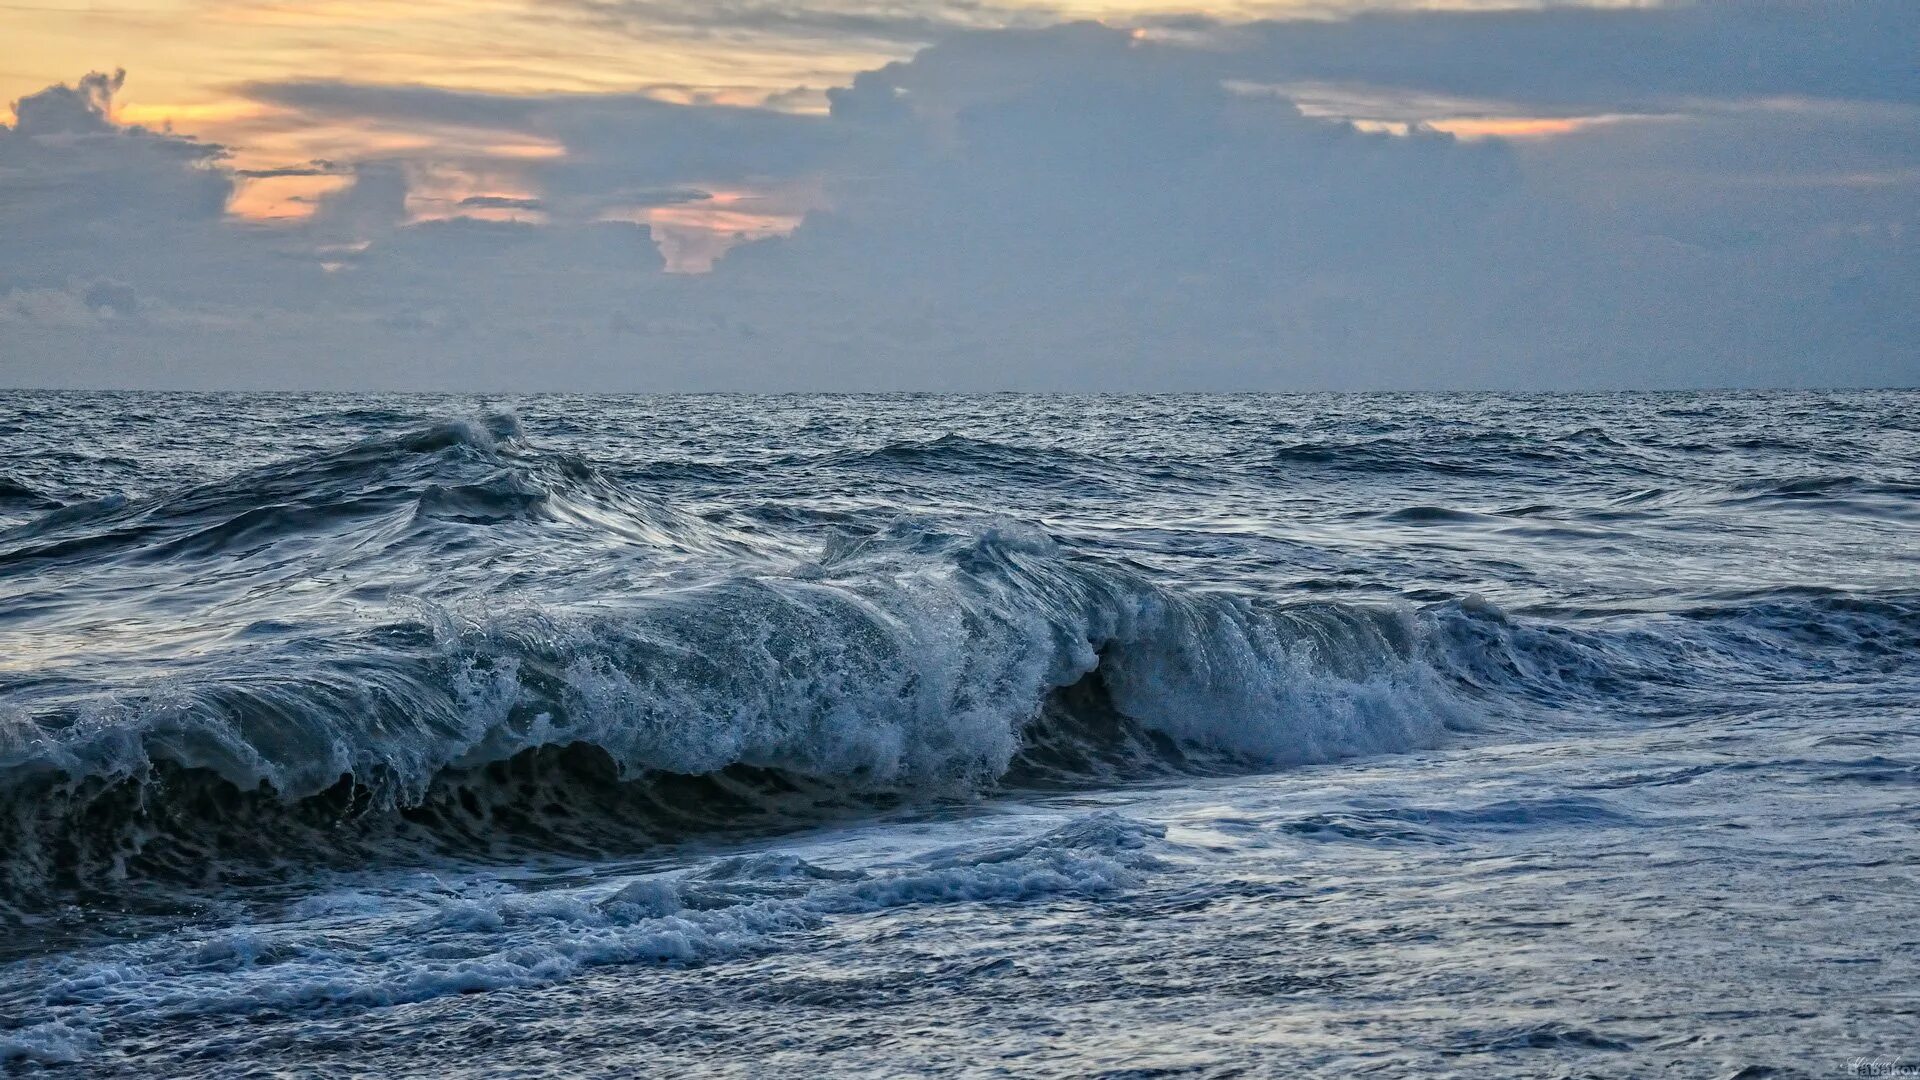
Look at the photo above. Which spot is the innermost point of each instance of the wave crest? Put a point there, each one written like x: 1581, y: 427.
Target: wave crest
x: 917, y: 661
x: 733, y: 680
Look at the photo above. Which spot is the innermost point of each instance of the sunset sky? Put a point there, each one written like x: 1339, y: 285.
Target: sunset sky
x: 801, y: 194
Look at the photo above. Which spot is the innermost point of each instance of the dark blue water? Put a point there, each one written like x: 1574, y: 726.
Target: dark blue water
x: 1477, y: 734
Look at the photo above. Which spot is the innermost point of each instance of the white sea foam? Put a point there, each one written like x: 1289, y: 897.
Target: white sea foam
x: 490, y: 937
x: 54, y: 1042
x: 924, y: 660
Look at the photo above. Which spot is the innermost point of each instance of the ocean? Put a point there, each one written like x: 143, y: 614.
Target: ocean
x: 1487, y: 735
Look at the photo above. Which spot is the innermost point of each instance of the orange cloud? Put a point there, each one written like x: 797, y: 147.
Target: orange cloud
x: 693, y: 235
x: 1517, y: 127
x: 1494, y: 127
x: 281, y: 199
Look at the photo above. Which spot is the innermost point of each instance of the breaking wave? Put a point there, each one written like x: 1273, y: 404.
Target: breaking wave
x: 612, y: 672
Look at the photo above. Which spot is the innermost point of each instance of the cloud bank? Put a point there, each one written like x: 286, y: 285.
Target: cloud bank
x: 1717, y: 193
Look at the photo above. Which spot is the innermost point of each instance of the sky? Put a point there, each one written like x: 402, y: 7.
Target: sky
x: 958, y: 195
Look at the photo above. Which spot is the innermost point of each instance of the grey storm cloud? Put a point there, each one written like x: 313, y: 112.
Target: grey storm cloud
x: 80, y: 109
x: 1622, y: 58
x: 499, y: 202
x: 1072, y: 207
x: 628, y: 138
x: 622, y: 151
x: 312, y: 168
x: 64, y: 162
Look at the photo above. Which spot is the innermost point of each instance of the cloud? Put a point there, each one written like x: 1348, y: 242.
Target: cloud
x: 1081, y: 153
x: 319, y: 167
x: 1611, y: 58
x: 499, y: 202
x: 74, y: 304
x: 67, y: 166
x: 615, y: 153
x: 647, y: 140
x: 374, y: 204
x: 80, y: 109
x: 1068, y: 207
x: 911, y: 22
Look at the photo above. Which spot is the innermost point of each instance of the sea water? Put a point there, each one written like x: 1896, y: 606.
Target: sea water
x: 1464, y: 734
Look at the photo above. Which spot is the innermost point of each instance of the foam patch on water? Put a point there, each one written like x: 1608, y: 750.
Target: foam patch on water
x: 52, y: 1043
x: 350, y: 949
